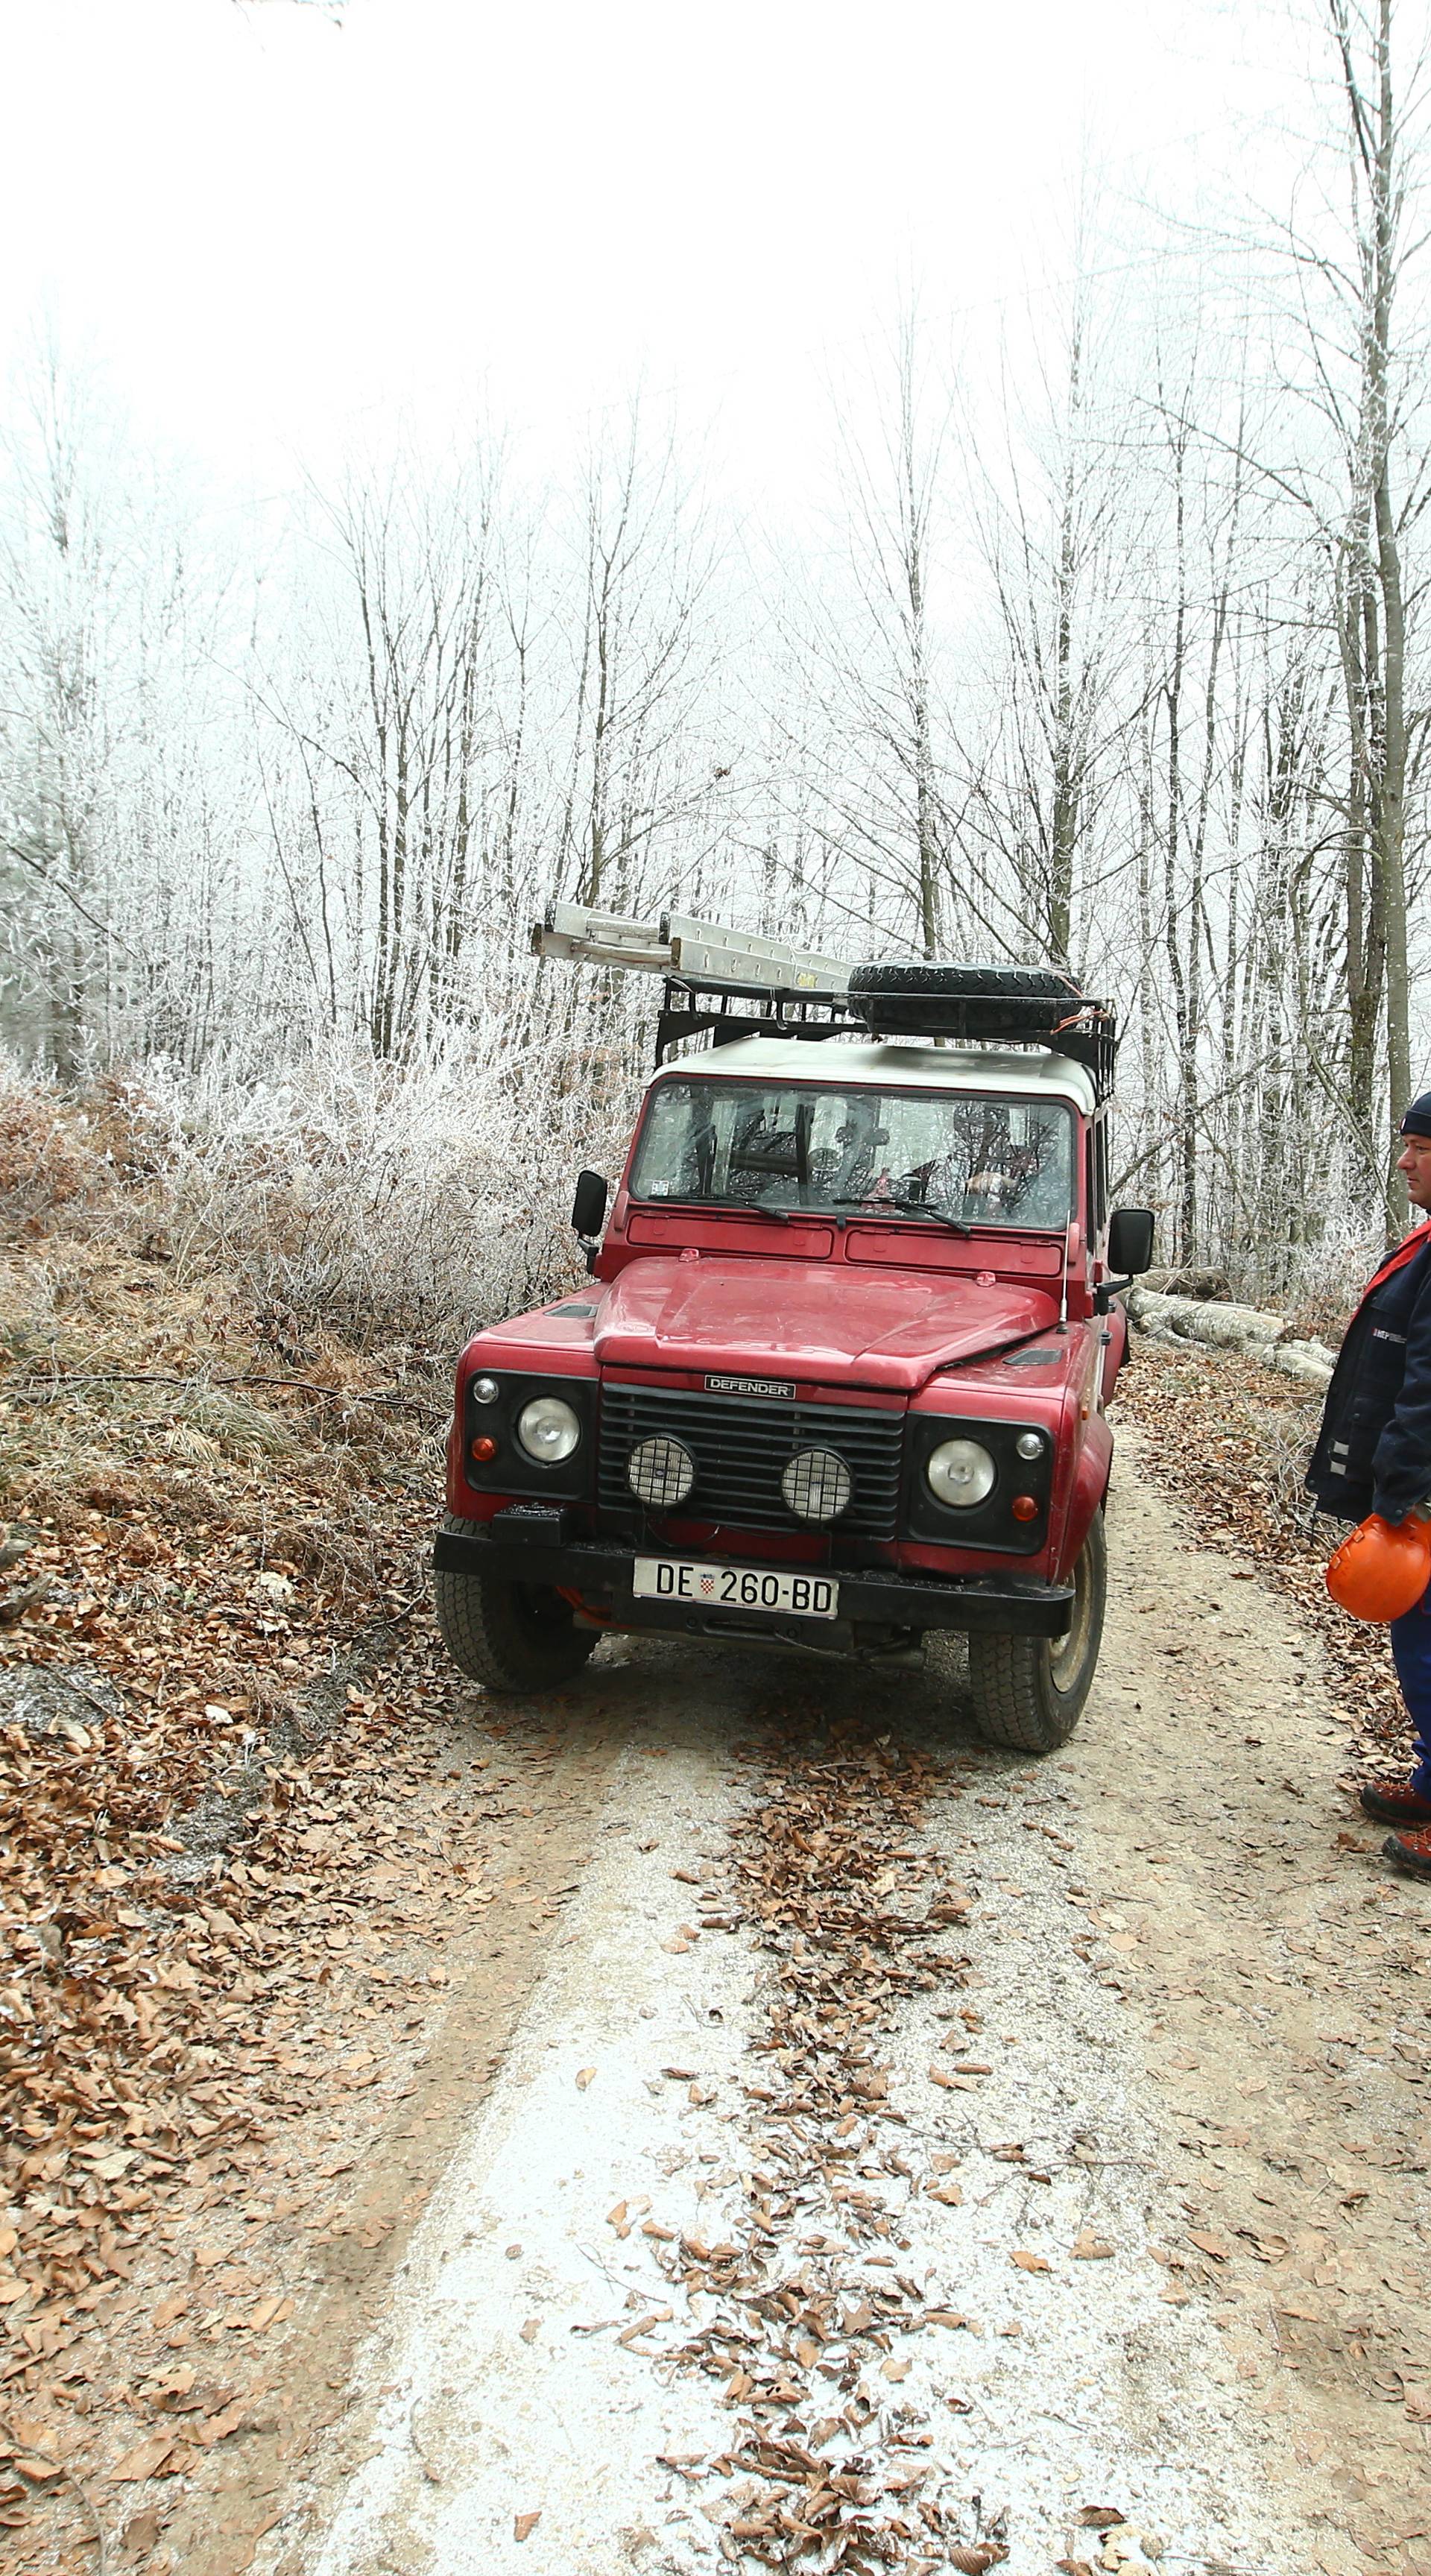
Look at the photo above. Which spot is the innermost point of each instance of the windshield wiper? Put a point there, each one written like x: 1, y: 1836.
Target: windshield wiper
x: 907, y: 1207
x: 724, y: 1207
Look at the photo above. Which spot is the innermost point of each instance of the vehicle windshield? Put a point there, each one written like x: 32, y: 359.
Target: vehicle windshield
x: 970, y: 1158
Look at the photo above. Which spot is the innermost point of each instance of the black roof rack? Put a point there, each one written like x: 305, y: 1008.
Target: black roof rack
x: 727, y: 984
x: 691, y: 1009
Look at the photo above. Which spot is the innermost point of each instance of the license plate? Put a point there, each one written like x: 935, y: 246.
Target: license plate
x: 734, y: 1587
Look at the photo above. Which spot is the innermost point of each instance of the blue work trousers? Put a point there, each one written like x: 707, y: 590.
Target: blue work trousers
x: 1411, y: 1654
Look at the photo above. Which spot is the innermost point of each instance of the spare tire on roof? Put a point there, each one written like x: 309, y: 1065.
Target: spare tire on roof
x: 931, y: 999
x: 1010, y: 983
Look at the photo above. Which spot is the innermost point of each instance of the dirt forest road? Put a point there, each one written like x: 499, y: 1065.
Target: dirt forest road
x: 904, y: 2154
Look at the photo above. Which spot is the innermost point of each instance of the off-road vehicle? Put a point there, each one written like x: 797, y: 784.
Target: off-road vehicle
x: 839, y: 1378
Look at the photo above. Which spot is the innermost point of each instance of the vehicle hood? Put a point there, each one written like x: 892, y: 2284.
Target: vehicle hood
x: 808, y: 1320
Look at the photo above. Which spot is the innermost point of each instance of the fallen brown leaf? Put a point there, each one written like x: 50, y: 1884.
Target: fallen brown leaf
x: 32, y: 2433
x: 267, y: 2310
x: 40, y: 2467
x: 217, y: 2428
x: 1208, y: 2244
x: 1088, y: 2248
x: 524, y: 2524
x: 145, y: 2460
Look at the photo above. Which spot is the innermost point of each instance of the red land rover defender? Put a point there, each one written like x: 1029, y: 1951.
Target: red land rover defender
x: 840, y: 1376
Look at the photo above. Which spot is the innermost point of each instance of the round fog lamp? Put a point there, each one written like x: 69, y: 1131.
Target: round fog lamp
x: 960, y: 1472
x: 548, y: 1429
x: 817, y: 1485
x: 484, y: 1390
x: 660, y: 1472
x: 1029, y: 1444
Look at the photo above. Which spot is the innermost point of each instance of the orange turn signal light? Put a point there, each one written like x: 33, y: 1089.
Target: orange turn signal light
x: 484, y: 1449
x: 1024, y: 1508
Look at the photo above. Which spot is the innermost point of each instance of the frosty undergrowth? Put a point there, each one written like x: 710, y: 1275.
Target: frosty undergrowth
x: 390, y: 1203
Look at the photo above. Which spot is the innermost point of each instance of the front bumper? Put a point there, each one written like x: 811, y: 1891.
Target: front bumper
x: 873, y: 1599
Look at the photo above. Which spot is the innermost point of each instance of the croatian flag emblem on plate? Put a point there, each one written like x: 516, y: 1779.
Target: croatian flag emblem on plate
x: 708, y: 1585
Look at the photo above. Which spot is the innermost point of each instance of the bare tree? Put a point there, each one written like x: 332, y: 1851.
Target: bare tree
x: 638, y: 775
x: 392, y: 800
x: 866, y: 748
x: 111, y: 837
x: 1352, y: 358
x: 1058, y: 523
x: 1369, y: 588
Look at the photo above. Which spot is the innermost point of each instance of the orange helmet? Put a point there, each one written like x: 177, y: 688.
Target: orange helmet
x: 1382, y: 1569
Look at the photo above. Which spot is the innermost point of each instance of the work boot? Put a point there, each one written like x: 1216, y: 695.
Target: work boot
x: 1395, y: 1802
x: 1410, y: 1851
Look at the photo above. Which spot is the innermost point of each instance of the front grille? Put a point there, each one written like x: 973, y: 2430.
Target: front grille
x: 743, y: 1444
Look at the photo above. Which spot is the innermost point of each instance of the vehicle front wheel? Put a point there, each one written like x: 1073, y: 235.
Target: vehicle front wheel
x: 515, y: 1637
x: 1029, y: 1691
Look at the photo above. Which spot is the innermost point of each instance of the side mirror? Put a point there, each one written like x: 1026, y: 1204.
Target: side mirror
x: 1130, y: 1241
x: 588, y: 1208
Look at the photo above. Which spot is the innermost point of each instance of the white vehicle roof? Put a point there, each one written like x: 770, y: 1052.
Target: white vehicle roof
x: 1023, y: 1073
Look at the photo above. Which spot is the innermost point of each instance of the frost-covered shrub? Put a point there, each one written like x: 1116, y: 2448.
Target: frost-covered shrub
x: 1326, y: 1282
x: 48, y: 1157
x: 407, y: 1202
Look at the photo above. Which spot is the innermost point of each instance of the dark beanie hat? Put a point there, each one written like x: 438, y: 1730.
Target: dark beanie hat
x: 1417, y: 1121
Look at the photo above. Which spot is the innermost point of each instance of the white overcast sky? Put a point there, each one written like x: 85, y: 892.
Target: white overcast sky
x: 273, y: 232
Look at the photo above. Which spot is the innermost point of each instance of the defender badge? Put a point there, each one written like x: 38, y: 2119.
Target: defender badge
x: 776, y: 1386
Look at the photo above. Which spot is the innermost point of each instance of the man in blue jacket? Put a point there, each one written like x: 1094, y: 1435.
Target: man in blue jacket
x: 1373, y: 1454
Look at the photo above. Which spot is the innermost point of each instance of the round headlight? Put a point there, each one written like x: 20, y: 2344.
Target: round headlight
x: 548, y: 1429
x: 660, y: 1472
x: 1029, y: 1444
x: 817, y: 1485
x: 484, y: 1390
x: 960, y: 1472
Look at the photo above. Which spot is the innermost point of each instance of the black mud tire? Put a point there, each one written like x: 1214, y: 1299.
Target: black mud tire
x: 958, y: 983
x: 513, y: 1637
x: 1029, y: 1691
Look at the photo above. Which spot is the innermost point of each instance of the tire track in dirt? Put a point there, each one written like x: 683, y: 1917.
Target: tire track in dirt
x: 807, y: 2313
x: 510, y: 2378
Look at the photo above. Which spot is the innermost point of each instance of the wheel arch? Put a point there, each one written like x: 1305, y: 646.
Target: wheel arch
x: 1090, y: 1490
